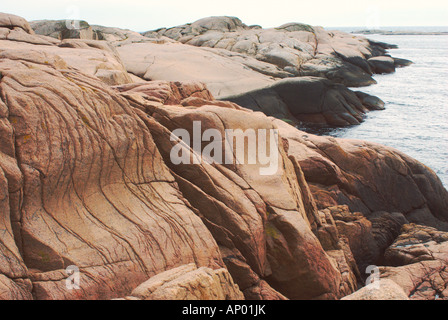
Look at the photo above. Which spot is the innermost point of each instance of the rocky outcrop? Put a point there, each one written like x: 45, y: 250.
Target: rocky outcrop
x: 244, y: 64
x: 13, y: 22
x: 244, y: 215
x: 109, y: 205
x: 189, y: 283
x: 340, y: 171
x: 224, y: 74
x: 309, y: 100
x: 417, y: 263
x: 85, y: 185
x: 384, y: 290
x: 80, y: 29
x: 417, y: 243
x: 426, y: 280
x: 87, y: 179
x: 296, y: 48
x: 92, y: 57
x: 64, y: 29
x: 382, y: 64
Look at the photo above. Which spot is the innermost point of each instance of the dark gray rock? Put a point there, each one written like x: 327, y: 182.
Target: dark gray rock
x: 382, y: 64
x: 309, y: 99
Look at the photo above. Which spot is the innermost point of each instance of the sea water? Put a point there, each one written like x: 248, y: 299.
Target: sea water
x: 415, y: 120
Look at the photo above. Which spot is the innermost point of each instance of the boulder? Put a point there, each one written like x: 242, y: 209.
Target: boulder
x: 385, y: 290
x: 369, y: 101
x: 417, y: 243
x: 63, y: 29
x: 11, y: 21
x: 382, y: 64
x: 399, y: 63
x: 189, y: 283
x: 426, y: 280
x: 309, y: 100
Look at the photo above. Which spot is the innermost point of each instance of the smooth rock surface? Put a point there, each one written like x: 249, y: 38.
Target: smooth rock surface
x: 294, y: 47
x: 310, y: 100
x: 387, y: 290
x: 223, y: 74
x: 189, y: 283
x: 340, y: 171
x: 382, y: 64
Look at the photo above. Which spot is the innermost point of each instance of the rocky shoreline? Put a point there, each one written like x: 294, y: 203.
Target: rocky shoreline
x: 401, y: 33
x: 86, y: 129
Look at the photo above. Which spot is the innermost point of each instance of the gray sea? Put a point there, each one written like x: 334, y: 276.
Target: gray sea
x: 415, y: 120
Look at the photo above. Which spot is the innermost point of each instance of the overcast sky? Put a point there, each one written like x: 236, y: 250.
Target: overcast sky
x: 141, y: 15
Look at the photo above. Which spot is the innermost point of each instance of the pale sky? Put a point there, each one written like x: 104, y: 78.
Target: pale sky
x: 141, y: 15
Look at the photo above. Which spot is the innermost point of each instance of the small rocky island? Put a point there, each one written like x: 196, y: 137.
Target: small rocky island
x: 87, y: 115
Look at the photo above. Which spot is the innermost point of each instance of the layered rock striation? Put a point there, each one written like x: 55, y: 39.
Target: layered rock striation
x: 245, y: 63
x: 88, y: 180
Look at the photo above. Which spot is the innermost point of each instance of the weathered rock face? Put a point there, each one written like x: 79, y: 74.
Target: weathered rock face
x: 92, y: 57
x: 108, y: 204
x: 426, y: 280
x: 189, y: 283
x: 244, y: 63
x: 357, y: 231
x: 312, y: 100
x: 386, y: 290
x: 269, y: 232
x: 11, y: 21
x: 87, y: 179
x: 64, y: 29
x: 85, y: 185
x: 416, y: 262
x: 366, y: 239
x: 296, y: 48
x: 417, y: 243
x: 382, y: 64
x: 340, y: 171
x: 223, y: 74
x: 337, y: 246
